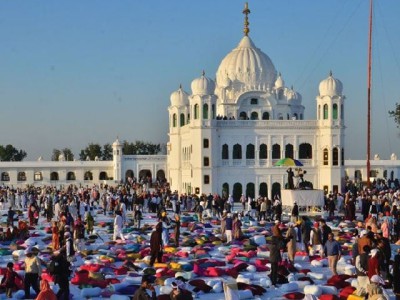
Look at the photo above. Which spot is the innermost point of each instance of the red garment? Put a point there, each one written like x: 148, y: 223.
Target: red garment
x: 373, y: 267
x: 46, y: 293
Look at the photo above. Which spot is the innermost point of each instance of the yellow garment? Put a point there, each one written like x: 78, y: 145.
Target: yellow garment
x: 32, y: 265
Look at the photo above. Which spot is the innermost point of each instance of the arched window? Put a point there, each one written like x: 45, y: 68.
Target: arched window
x: 196, y: 111
x: 335, y: 157
x: 341, y: 112
x: 250, y: 190
x: 237, y: 152
x: 250, y: 151
x: 225, y: 151
x: 280, y: 116
x: 276, y: 151
x: 21, y: 176
x: 334, y: 111
x: 263, y: 192
x: 254, y: 115
x: 342, y: 157
x: 237, y: 191
x: 280, y: 94
x: 289, y: 151
x: 225, y: 190
x: 325, y: 158
x: 5, y: 176
x: 319, y: 112
x: 305, y: 151
x: 243, y: 115
x: 287, y: 117
x: 53, y: 176
x: 265, y: 115
x: 205, y: 111
x: 326, y: 112
x: 385, y: 174
x: 358, y: 175
x: 174, y: 120
x: 263, y: 154
x: 295, y: 116
x: 188, y: 119
x: 88, y: 176
x: 71, y: 176
x: 276, y: 190
x: 37, y: 176
x: 182, y: 120
x: 103, y: 176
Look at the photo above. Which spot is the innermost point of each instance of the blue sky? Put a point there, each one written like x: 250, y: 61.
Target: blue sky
x: 75, y: 72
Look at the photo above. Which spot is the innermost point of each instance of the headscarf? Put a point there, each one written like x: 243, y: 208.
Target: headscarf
x: 46, y: 293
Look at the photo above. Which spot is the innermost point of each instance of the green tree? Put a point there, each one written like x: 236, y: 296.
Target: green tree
x: 107, y: 152
x: 10, y: 153
x: 140, y: 148
x: 68, y: 155
x: 55, y: 155
x: 91, y: 151
x: 395, y: 114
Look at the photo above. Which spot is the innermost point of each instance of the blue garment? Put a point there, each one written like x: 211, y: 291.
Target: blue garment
x: 332, y: 248
x: 229, y: 224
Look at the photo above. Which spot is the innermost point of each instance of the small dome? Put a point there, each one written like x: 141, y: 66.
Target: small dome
x: 179, y: 97
x: 203, y: 86
x: 226, y: 82
x: 279, y: 83
x: 293, y: 97
x: 117, y: 143
x: 330, y: 87
x: 61, y: 157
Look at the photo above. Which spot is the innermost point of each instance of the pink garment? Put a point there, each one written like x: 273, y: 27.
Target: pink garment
x: 385, y: 229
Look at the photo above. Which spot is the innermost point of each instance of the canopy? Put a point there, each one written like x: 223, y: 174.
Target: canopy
x: 303, y: 197
x: 288, y: 162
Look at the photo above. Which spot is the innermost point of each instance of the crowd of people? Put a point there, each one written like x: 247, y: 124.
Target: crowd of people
x: 71, y: 212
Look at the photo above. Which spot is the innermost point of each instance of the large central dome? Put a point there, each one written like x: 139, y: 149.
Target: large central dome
x: 246, y: 65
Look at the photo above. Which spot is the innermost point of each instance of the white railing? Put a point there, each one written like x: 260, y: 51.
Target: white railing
x: 250, y: 162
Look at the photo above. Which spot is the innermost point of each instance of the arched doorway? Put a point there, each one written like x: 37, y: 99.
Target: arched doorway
x: 250, y: 190
x: 237, y: 191
x: 160, y: 176
x: 103, y: 176
x: 276, y: 190
x: 129, y: 175
x: 53, y: 176
x: 70, y: 176
x: 88, y: 176
x: 263, y: 192
x: 225, y: 190
x: 145, y: 176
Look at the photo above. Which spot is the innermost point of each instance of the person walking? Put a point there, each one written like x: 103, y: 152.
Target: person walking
x: 333, y: 251
x: 118, y: 224
x: 275, y: 258
x: 156, y: 245
x: 33, y: 270
x: 228, y: 227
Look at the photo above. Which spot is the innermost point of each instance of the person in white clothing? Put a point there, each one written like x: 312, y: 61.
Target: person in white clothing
x: 118, y: 225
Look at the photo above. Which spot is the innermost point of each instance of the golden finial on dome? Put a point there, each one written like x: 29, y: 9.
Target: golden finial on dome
x: 180, y: 86
x: 246, y: 12
x: 330, y: 73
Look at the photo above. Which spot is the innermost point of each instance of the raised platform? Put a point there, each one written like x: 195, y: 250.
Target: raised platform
x: 309, y: 201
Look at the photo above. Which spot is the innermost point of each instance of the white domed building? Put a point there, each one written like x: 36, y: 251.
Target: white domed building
x: 227, y: 135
